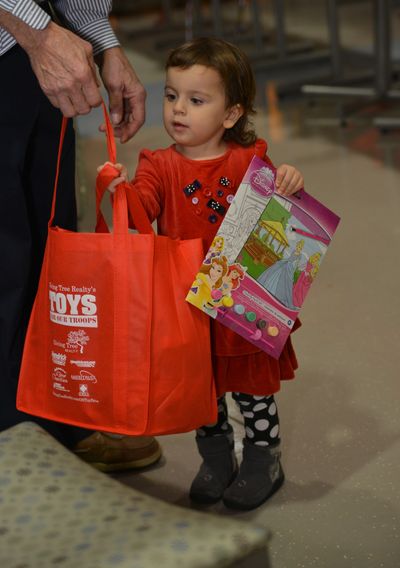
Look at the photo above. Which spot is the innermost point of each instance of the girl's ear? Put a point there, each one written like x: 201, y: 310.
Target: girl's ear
x: 232, y: 115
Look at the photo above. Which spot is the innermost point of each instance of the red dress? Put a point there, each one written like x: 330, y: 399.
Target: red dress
x: 168, y: 185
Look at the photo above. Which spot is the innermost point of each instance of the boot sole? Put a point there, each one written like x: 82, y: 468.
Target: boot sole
x: 248, y: 507
x: 204, y: 499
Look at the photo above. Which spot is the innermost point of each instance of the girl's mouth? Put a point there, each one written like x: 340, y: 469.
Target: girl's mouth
x: 179, y: 125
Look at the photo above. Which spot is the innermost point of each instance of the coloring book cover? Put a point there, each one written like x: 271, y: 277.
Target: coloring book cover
x: 263, y: 260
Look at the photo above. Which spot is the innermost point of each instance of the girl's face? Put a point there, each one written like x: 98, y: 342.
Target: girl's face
x: 195, y: 113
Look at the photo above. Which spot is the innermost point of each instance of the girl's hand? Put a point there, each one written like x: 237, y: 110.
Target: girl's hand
x: 123, y: 177
x: 288, y: 180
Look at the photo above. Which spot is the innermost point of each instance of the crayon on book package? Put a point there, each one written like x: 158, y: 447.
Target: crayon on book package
x: 263, y: 260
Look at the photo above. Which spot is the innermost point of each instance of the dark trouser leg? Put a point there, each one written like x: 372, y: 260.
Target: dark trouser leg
x: 30, y: 129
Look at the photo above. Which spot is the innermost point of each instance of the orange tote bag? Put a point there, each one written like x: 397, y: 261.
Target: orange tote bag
x: 112, y: 344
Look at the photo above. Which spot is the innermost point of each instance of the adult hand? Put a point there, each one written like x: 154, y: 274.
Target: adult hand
x: 64, y: 66
x: 126, y: 94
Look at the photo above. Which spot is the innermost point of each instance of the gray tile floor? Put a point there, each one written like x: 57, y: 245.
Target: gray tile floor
x: 340, y: 424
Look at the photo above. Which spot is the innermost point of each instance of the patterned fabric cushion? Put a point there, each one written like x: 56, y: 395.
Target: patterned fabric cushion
x: 56, y: 511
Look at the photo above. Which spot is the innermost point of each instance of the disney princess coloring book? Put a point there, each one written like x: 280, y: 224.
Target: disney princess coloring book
x: 263, y: 260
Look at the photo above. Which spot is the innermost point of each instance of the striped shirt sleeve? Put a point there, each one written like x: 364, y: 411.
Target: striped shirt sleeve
x: 87, y: 18
x: 28, y: 11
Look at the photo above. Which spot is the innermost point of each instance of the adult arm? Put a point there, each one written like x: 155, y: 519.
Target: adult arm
x: 89, y: 19
x: 62, y: 62
x: 126, y: 94
x: 64, y: 65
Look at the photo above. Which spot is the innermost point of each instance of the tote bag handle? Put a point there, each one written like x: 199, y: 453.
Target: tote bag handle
x: 136, y: 209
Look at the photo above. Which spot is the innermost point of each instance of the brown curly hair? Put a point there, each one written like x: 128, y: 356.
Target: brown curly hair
x: 236, y: 73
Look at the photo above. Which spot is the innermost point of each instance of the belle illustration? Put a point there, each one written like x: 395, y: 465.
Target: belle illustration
x: 209, y: 278
x: 278, y: 279
x: 305, y: 279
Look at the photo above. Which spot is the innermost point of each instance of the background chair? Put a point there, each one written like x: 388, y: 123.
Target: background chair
x: 56, y: 510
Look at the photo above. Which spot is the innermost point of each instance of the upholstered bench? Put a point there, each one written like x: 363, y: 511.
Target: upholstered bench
x: 56, y: 511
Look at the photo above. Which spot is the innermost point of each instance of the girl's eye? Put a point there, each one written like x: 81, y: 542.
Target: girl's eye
x: 169, y: 96
x: 196, y: 101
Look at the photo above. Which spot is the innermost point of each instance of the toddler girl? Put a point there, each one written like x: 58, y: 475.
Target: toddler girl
x: 187, y: 187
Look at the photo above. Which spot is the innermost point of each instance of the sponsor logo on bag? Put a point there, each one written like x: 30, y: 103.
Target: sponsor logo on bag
x: 72, y: 309
x: 76, y: 341
x: 85, y: 399
x: 84, y: 376
x: 60, y: 375
x: 83, y: 390
x: 58, y: 386
x: 58, y: 358
x: 83, y: 363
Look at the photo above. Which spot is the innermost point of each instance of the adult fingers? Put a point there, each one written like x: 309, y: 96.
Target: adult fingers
x: 90, y: 85
x: 64, y: 103
x: 64, y: 66
x: 133, y: 118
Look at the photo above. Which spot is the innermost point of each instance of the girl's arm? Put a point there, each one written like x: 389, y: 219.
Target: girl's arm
x: 147, y: 183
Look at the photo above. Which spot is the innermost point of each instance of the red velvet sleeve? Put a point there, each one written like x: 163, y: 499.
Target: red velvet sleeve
x: 148, y: 184
x: 260, y: 149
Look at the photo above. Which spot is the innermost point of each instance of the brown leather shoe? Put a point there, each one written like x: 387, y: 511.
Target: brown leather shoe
x: 108, y: 452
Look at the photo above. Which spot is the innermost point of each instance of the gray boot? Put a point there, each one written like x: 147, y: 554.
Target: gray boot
x: 260, y: 475
x: 217, y: 471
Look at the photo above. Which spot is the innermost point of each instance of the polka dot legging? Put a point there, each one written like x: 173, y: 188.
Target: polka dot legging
x: 260, y: 417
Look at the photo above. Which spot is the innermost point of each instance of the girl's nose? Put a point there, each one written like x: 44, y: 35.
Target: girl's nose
x: 179, y: 107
